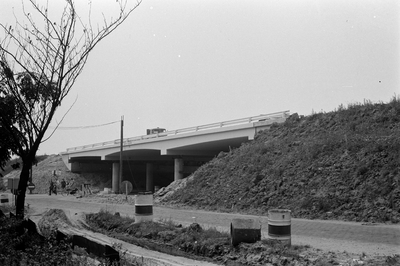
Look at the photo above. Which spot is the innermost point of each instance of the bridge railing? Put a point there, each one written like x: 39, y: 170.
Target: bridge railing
x: 247, y: 120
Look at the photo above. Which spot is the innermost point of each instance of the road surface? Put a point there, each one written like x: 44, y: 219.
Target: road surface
x: 351, y: 237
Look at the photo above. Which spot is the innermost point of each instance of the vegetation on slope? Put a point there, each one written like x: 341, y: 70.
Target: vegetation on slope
x: 338, y: 165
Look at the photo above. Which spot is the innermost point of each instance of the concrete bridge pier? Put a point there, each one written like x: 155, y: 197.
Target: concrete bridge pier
x: 115, y: 178
x: 149, y: 177
x: 178, y: 169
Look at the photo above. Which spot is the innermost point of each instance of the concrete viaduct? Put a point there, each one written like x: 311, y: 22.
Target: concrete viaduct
x: 155, y: 160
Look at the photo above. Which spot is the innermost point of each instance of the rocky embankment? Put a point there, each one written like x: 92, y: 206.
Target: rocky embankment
x: 338, y: 165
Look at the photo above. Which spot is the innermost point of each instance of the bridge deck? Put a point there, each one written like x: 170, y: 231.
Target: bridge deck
x: 272, y: 117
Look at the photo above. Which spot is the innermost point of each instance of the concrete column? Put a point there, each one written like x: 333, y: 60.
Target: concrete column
x: 178, y: 170
x: 75, y: 167
x: 115, y: 178
x: 149, y: 177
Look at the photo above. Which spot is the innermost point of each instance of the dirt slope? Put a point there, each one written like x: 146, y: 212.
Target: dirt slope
x: 338, y: 165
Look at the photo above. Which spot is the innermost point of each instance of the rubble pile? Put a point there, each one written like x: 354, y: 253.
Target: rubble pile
x: 166, y: 192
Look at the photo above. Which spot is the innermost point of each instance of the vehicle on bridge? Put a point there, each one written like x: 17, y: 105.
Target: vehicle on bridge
x: 155, y: 131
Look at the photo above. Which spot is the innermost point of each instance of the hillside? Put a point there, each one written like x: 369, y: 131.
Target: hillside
x: 338, y: 165
x: 17, y: 161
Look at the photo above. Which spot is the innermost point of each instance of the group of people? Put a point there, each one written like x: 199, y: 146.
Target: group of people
x: 56, y: 183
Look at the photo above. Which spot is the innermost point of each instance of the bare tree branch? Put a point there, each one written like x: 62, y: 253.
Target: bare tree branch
x: 40, y: 60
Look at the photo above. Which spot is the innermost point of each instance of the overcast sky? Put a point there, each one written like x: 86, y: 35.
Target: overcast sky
x: 181, y: 63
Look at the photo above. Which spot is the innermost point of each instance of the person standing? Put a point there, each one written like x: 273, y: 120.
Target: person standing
x: 55, y: 184
x: 51, y: 185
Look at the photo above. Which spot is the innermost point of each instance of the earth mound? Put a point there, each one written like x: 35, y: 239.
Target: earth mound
x: 337, y: 165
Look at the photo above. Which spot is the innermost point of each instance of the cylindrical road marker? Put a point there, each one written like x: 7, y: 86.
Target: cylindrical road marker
x: 144, y: 207
x: 279, y: 225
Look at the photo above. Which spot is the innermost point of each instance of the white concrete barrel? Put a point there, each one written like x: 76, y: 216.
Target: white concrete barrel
x: 279, y: 225
x: 4, y: 199
x: 144, y: 207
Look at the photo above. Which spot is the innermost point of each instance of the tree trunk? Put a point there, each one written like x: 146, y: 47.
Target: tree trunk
x: 23, y: 183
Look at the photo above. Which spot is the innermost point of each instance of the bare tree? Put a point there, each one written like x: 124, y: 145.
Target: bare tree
x: 40, y: 60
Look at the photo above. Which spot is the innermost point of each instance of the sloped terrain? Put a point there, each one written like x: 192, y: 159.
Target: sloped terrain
x: 16, y: 162
x: 339, y: 165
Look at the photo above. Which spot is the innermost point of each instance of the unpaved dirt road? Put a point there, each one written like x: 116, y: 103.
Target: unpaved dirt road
x: 326, y: 235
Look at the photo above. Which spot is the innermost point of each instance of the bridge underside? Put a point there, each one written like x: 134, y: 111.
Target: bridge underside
x: 149, y: 169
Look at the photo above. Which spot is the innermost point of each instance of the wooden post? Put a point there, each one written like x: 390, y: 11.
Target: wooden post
x: 121, y: 150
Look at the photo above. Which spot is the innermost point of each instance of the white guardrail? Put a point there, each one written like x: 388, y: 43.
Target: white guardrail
x: 247, y: 120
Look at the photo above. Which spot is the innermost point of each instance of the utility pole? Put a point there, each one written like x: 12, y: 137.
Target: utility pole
x: 120, y: 153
